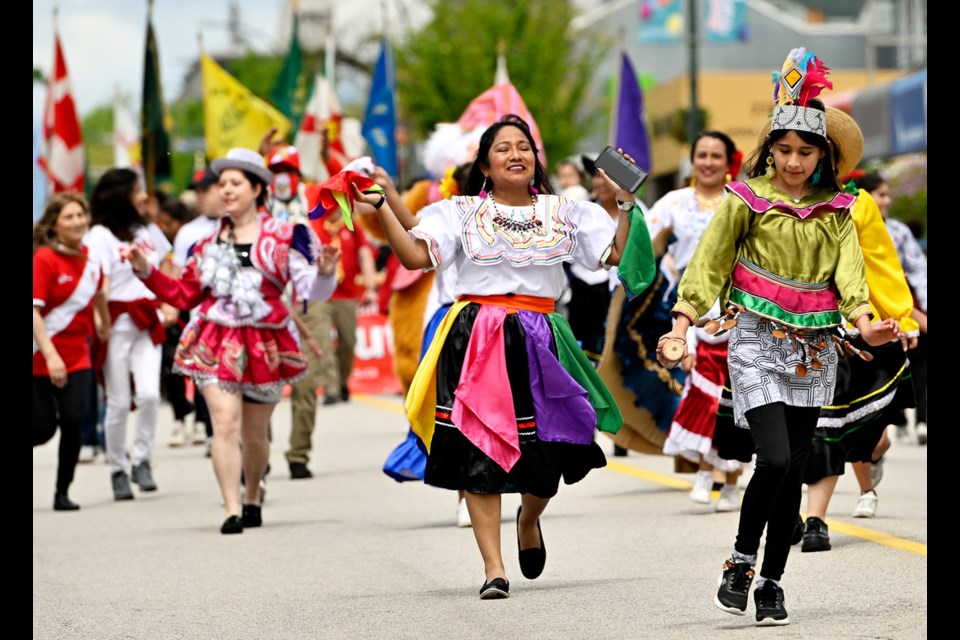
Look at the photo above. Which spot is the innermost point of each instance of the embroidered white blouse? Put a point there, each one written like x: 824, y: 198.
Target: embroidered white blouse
x: 491, y: 259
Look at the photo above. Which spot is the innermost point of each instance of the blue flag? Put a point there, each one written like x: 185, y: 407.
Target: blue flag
x: 631, y: 131
x: 380, y: 119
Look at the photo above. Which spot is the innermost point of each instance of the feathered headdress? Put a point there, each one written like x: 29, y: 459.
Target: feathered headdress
x: 801, y: 79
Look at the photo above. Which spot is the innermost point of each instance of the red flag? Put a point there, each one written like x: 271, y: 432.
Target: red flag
x: 62, y: 153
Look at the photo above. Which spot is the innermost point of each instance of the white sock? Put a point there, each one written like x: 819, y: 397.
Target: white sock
x: 761, y: 580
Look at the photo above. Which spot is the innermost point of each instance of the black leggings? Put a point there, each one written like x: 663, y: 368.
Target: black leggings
x: 66, y: 408
x: 782, y: 436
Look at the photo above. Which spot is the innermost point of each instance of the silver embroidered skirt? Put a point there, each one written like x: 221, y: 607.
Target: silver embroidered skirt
x: 763, y: 368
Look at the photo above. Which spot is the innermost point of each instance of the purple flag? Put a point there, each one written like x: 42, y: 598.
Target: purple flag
x: 631, y: 132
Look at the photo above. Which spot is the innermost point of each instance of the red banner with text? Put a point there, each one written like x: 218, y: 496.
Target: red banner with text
x: 373, y: 357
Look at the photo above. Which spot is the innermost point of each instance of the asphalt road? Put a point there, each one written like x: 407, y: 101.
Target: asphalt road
x: 353, y: 554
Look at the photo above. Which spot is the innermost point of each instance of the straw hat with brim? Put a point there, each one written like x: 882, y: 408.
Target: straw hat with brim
x: 846, y: 135
x: 245, y: 160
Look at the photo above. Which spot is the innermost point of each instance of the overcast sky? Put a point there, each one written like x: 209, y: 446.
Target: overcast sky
x: 103, y: 40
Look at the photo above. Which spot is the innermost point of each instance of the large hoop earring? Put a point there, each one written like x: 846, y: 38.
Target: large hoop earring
x: 727, y: 178
x: 771, y: 169
x: 483, y: 189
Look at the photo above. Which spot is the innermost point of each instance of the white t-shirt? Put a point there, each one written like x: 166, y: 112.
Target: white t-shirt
x: 105, y: 248
x: 188, y: 235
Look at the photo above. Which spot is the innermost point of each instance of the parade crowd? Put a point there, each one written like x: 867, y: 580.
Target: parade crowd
x: 767, y: 316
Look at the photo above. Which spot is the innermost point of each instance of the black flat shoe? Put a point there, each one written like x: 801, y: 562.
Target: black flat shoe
x: 252, y: 516
x: 62, y: 503
x: 233, y: 524
x: 532, y: 560
x: 495, y: 589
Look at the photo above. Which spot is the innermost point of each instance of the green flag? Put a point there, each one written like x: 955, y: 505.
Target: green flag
x: 289, y: 93
x: 154, y: 139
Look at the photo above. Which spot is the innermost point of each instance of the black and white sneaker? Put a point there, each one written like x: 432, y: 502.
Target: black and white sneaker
x: 734, y: 588
x: 770, y: 609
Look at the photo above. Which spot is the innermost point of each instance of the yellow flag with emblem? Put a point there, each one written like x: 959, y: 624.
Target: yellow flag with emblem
x: 232, y: 115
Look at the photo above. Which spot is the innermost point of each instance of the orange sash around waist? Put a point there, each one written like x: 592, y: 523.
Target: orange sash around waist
x: 515, y: 302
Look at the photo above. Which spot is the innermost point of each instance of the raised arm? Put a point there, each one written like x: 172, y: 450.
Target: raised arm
x: 394, y: 199
x: 623, y: 220
x: 413, y: 254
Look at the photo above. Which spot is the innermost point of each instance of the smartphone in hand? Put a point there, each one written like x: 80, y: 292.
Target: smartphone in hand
x: 622, y: 171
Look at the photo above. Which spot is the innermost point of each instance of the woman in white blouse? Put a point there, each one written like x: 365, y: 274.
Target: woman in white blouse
x: 504, y: 400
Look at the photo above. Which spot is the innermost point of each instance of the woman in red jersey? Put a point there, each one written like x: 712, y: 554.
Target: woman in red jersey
x: 67, y: 287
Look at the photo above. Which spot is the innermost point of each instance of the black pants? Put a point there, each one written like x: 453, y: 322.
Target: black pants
x: 66, y: 408
x: 782, y: 435
x: 174, y: 384
x: 588, y: 313
x: 91, y: 431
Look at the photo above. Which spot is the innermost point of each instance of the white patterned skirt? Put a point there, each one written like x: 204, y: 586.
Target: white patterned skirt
x: 763, y: 368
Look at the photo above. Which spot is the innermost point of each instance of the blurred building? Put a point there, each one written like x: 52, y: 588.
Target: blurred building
x: 868, y: 44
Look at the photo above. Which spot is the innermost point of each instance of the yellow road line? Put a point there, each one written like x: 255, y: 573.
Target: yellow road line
x: 676, y: 483
x: 396, y: 407
x: 652, y: 476
x: 875, y: 536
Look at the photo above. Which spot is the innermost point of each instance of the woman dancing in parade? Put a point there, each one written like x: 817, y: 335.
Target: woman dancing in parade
x: 505, y: 400
x: 242, y: 347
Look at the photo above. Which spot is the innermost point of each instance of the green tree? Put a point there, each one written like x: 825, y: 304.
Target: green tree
x: 97, y: 128
x: 441, y: 68
x: 257, y: 73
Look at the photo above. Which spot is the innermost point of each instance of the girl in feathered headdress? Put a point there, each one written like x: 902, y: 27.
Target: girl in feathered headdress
x: 783, y: 259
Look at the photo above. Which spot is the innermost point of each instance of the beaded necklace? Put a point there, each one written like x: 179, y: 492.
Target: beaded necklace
x: 533, y: 223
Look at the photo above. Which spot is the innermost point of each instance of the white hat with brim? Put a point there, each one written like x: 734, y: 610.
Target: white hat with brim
x: 244, y: 160
x: 845, y: 133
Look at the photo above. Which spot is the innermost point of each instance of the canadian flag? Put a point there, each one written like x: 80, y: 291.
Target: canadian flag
x: 61, y: 155
x: 321, y: 113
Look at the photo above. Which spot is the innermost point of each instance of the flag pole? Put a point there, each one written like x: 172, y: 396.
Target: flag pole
x: 501, y: 75
x: 383, y: 19
x: 693, y: 116
x: 148, y: 155
x: 330, y: 53
x: 116, y: 138
x: 615, y: 107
